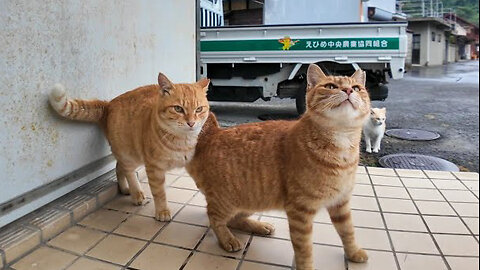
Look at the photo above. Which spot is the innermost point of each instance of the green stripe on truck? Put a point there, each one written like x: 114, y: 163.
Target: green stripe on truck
x: 313, y: 44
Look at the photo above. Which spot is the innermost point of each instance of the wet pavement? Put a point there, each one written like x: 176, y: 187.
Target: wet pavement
x: 442, y: 99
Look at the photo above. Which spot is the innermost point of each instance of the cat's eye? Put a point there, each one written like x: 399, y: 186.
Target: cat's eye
x: 199, y: 109
x: 331, y: 86
x: 356, y: 88
x: 178, y: 109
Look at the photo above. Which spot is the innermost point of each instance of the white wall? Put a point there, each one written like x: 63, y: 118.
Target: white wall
x: 97, y: 49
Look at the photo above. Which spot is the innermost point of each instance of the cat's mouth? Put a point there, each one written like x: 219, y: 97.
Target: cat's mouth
x: 347, y: 102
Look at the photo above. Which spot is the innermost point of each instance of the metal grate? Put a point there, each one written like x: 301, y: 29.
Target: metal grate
x: 413, y: 134
x: 418, y: 162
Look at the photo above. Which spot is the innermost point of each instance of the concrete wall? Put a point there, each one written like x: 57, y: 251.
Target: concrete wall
x: 97, y: 49
x: 432, y: 53
x: 452, y: 53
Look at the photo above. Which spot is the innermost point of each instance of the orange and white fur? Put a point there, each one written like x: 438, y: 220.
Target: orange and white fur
x: 297, y: 166
x: 154, y: 125
x: 374, y: 129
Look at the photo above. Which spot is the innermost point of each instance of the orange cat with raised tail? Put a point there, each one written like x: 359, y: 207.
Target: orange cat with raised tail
x: 298, y: 166
x: 155, y: 125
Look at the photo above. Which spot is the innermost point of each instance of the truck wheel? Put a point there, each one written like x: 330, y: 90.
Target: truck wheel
x: 300, y: 101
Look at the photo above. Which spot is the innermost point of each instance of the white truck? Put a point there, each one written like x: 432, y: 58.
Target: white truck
x: 246, y: 63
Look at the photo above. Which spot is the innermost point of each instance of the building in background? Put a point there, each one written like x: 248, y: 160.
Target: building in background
x: 466, y: 36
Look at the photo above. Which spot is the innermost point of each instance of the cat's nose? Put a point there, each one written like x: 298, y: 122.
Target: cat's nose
x: 348, y: 91
x: 190, y: 124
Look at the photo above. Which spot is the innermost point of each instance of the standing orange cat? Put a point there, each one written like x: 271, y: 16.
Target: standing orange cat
x: 155, y: 125
x: 299, y: 166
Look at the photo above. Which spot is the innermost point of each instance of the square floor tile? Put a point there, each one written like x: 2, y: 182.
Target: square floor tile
x: 374, y: 239
x: 122, y: 203
x: 210, y: 244
x: 149, y: 209
x: 270, y: 250
x: 449, y: 184
x: 326, y: 234
x: 361, y: 170
x: 156, y: 257
x: 386, y: 181
x: 146, y: 190
x: 207, y: 261
x: 88, y: 264
x: 392, y: 192
x: 103, y: 219
x: 397, y: 205
x: 45, y: 258
x: 440, y: 175
x: 276, y: 213
x: 472, y: 185
x: 457, y: 245
x: 413, y: 242
x: 435, y: 208
x: 182, y: 235
x: 178, y: 171
x: 363, y: 190
x: 378, y: 260
x: 364, y: 203
x: 466, y: 209
x: 362, y: 179
x: 381, y: 171
x: 467, y: 175
x: 260, y: 266
x: 281, y: 226
x: 425, y: 194
x: 418, y: 183
x: 322, y: 216
x: 334, y: 257
x: 458, y: 263
x: 459, y: 196
x: 170, y: 178
x: 116, y: 249
x: 179, y: 195
x: 405, y: 222
x: 140, y: 227
x: 445, y: 225
x: 418, y: 262
x: 185, y: 182
x: 193, y: 215
x: 77, y: 239
x: 367, y: 219
x: 199, y: 200
x: 473, y: 224
x: 410, y: 173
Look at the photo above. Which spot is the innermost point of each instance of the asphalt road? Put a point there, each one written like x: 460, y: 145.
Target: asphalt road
x: 443, y: 99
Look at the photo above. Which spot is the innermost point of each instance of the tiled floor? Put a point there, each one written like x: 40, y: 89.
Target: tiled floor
x: 407, y: 220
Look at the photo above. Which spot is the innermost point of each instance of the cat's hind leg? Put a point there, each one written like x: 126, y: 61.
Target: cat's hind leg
x: 156, y: 180
x: 136, y: 192
x: 243, y: 223
x: 341, y: 217
x: 218, y: 215
x: 122, y: 181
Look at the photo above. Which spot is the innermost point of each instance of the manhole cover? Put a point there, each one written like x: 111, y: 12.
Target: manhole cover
x: 418, y: 162
x: 413, y: 134
x: 278, y: 116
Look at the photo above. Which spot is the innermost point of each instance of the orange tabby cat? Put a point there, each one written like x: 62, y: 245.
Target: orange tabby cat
x: 155, y: 125
x: 299, y: 166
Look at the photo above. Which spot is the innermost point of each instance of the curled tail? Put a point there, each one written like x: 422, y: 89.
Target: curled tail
x: 76, y: 109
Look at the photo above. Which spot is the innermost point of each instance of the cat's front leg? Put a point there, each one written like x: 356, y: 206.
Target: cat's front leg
x: 368, y: 144
x: 376, y: 144
x: 300, y: 222
x: 341, y: 217
x: 156, y: 180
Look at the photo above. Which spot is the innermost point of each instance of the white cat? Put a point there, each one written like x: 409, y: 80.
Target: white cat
x: 374, y: 129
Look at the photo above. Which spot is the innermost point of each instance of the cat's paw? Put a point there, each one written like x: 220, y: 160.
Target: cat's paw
x: 124, y: 190
x: 163, y: 215
x: 376, y: 150
x: 359, y: 256
x: 138, y: 197
x: 368, y: 150
x: 264, y: 228
x: 232, y: 244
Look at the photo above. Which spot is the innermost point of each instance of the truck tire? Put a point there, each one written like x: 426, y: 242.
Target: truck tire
x: 300, y: 101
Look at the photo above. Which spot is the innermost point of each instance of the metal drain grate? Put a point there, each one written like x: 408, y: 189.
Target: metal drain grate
x: 413, y: 134
x: 417, y: 162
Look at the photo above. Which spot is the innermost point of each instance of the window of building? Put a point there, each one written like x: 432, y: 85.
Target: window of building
x: 433, y: 36
x: 439, y: 38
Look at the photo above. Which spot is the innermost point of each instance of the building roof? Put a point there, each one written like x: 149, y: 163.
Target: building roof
x: 439, y: 21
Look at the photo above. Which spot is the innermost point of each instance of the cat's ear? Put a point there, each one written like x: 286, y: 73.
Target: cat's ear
x: 165, y: 84
x: 360, y: 76
x: 384, y: 110
x: 314, y: 76
x: 203, y: 83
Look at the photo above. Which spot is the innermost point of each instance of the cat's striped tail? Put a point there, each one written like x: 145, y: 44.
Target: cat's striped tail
x: 76, y: 109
